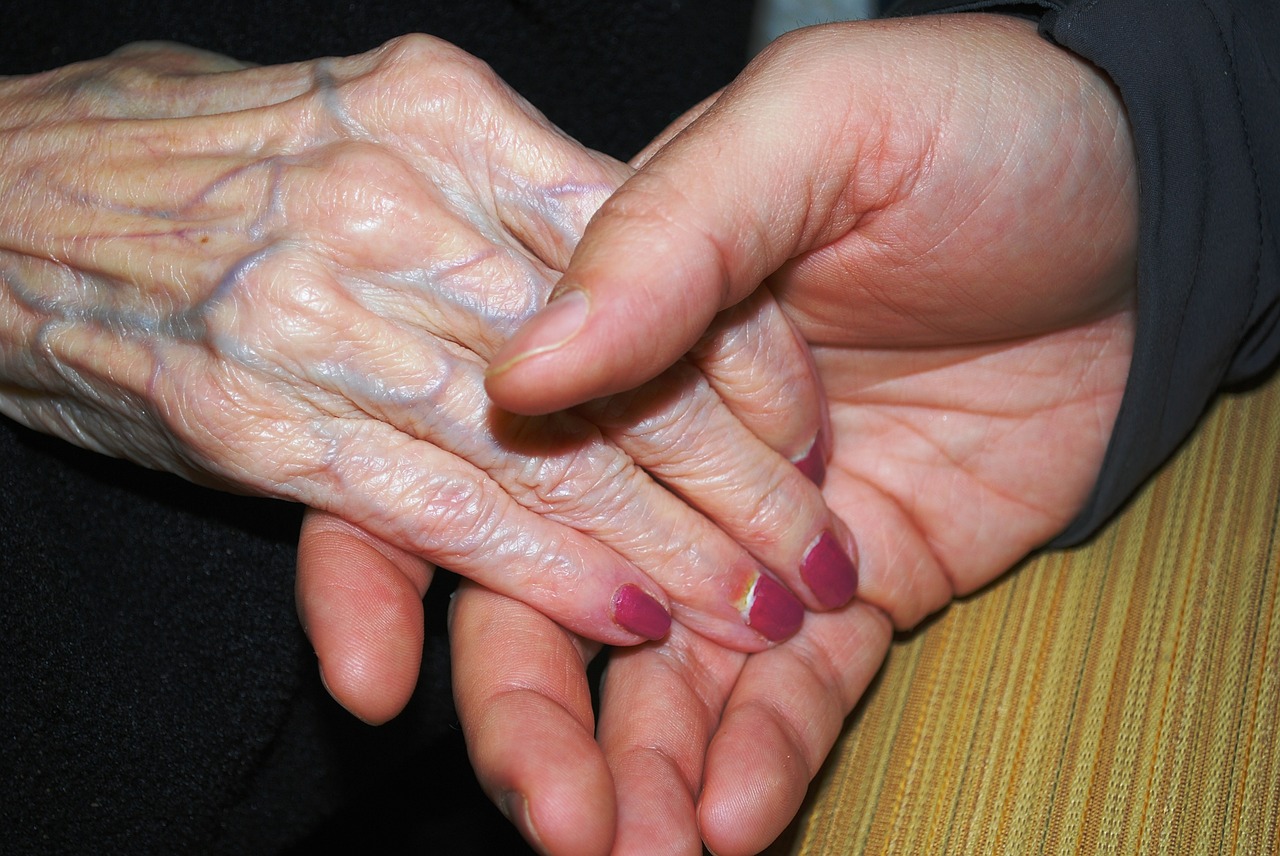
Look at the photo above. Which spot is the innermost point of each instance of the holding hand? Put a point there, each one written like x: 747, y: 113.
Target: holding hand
x: 954, y: 231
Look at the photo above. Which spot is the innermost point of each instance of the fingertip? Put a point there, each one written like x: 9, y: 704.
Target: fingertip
x: 549, y: 780
x: 581, y: 347
x: 636, y: 611
x: 515, y: 808
x: 352, y: 702
x: 656, y: 809
x: 812, y: 464
x: 830, y: 570
x: 360, y: 603
x: 644, y: 284
x: 371, y: 682
x: 523, y: 701
x: 566, y: 824
x: 753, y: 787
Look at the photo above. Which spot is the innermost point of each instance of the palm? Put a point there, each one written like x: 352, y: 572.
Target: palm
x: 974, y: 352
x: 955, y: 462
x: 969, y: 302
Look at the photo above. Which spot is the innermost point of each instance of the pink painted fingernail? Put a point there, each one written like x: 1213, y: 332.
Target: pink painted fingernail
x: 830, y: 574
x: 635, y: 611
x: 814, y: 463
x: 772, y: 611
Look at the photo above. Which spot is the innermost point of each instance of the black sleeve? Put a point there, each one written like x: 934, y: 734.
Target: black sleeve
x: 1199, y: 81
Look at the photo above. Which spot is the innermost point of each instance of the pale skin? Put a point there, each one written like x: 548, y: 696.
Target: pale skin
x: 955, y: 235
x: 289, y: 281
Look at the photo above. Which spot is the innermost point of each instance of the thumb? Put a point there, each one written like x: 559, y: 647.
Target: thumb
x: 733, y: 195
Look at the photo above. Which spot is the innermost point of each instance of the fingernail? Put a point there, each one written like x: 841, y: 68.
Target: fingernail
x: 515, y: 808
x: 635, y: 611
x: 830, y: 574
x: 556, y: 324
x: 814, y: 463
x: 772, y: 611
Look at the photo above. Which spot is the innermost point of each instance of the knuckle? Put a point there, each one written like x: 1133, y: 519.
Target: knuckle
x: 566, y: 469
x: 414, y: 50
x: 110, y: 89
x: 570, y: 483
x: 438, y: 509
x: 664, y: 414
x: 357, y: 196
x: 770, y: 516
x: 797, y: 49
x: 647, y: 196
x: 423, y: 64
x: 223, y: 423
x: 457, y: 512
x: 425, y: 96
x: 269, y: 303
x: 133, y: 81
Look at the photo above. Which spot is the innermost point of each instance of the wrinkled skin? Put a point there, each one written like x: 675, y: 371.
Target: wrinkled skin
x: 955, y: 234
x: 289, y: 281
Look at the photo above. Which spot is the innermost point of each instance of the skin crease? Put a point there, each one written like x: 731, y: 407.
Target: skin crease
x: 288, y: 281
x: 956, y: 236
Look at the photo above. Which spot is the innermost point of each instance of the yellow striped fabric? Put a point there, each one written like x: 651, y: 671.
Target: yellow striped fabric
x: 1121, y: 698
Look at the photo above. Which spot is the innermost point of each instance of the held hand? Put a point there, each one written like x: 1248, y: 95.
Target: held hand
x: 359, y: 597
x: 967, y: 279
x: 289, y: 281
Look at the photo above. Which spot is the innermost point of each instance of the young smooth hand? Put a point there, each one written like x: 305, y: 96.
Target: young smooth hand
x: 948, y: 211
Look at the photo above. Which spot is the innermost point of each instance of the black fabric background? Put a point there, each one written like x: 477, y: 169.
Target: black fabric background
x: 612, y: 73
x: 158, y: 695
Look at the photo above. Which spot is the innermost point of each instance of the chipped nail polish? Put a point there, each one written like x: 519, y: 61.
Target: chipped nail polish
x: 830, y: 574
x: 639, y: 613
x: 772, y: 611
x: 814, y: 463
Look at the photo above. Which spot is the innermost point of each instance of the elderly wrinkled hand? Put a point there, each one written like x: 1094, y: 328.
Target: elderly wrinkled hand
x: 289, y: 281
